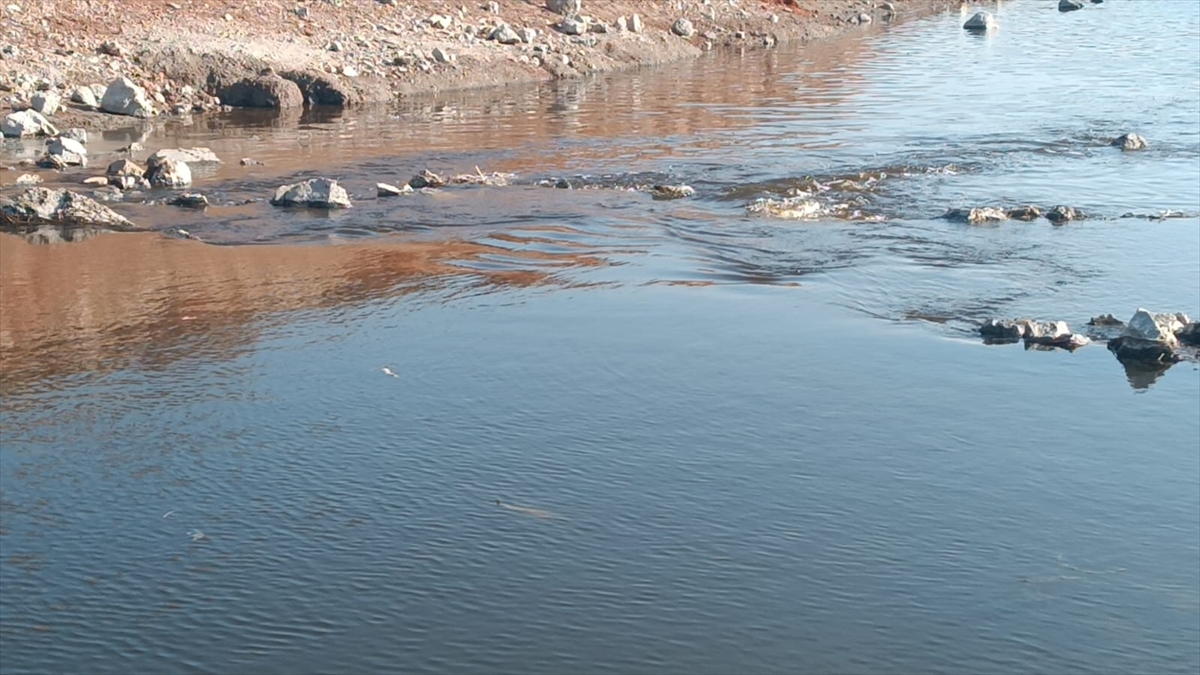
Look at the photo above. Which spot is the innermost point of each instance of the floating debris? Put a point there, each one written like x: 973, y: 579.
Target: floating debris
x: 388, y: 371
x: 168, y: 514
x: 536, y: 513
x: 197, y: 535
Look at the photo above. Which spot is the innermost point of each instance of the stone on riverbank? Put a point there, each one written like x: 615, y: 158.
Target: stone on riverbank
x: 168, y: 173
x: 123, y: 97
x: 28, y: 179
x: 85, y: 97
x: 683, y: 28
x: 264, y: 91
x: 76, y: 134
x: 63, y: 208
x: 1129, y: 142
x: 1069, y: 5
x: 505, y: 35
x: 27, y: 123
x: 62, y: 152
x: 975, y: 216
x: 573, y: 26
x: 565, y: 7
x: 317, y: 193
x: 980, y: 22
x: 47, y: 102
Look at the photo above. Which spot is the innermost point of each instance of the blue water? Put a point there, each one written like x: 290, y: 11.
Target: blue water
x: 722, y: 443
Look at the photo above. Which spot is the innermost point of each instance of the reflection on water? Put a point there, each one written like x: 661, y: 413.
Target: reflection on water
x: 616, y: 434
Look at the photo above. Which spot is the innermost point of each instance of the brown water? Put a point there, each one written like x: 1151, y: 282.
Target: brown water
x: 722, y: 442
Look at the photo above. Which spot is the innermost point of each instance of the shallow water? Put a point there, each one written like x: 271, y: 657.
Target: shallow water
x: 722, y: 442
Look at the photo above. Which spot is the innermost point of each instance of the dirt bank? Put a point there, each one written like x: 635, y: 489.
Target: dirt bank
x: 359, y: 51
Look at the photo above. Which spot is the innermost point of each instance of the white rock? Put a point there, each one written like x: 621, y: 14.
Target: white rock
x: 169, y: 173
x: 98, y: 91
x: 85, y: 97
x: 46, y: 102
x: 59, y: 207
x: 68, y: 151
x: 28, y: 179
x: 1146, y: 325
x: 389, y: 190
x: 635, y: 23
x: 315, y: 192
x: 573, y: 26
x: 440, y: 21
x: 982, y: 21
x: 189, y: 155
x: 1130, y: 142
x: 76, y: 134
x: 27, y: 123
x: 505, y: 35
x: 123, y: 97
x: 527, y: 35
x: 565, y: 7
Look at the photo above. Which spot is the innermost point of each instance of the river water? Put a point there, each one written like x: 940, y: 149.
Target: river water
x: 722, y: 442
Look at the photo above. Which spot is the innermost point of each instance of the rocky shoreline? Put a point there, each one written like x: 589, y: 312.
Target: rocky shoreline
x: 187, y: 56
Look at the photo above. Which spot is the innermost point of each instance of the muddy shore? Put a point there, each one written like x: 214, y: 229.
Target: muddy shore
x: 185, y: 53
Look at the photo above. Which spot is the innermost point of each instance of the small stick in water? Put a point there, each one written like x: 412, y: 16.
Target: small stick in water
x: 168, y: 514
x: 536, y: 513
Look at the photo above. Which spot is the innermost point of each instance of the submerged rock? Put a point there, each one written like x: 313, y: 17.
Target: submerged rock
x: 1060, y: 215
x: 123, y: 97
x: 189, y: 155
x: 1189, y: 334
x: 1105, y: 320
x: 980, y: 22
x: 42, y: 206
x: 320, y: 193
x: 1069, y: 5
x: 27, y: 123
x: 975, y: 216
x: 388, y: 190
x: 1004, y: 329
x: 191, y: 200
x: 480, y: 178
x: 26, y: 179
x: 1129, y: 142
x: 426, y: 179
x: 672, y: 191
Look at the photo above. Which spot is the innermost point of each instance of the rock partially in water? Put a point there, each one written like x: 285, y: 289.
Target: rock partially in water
x: 63, y: 152
x: 60, y: 208
x: 128, y: 183
x: 1146, y: 325
x: 1047, y: 332
x: 1105, y: 320
x: 96, y: 181
x: 125, y: 167
x: 683, y: 28
x: 791, y: 208
x: 1025, y: 213
x: 389, y: 190
x: 264, y: 91
x: 123, y: 97
x: 27, y: 123
x: 319, y: 193
x: 75, y: 134
x: 976, y: 216
x: 1136, y: 350
x: 191, y: 156
x: 191, y: 200
x: 1069, y: 5
x: 672, y: 191
x: 980, y: 22
x: 169, y: 173
x: 480, y: 178
x: 1189, y: 334
x: 1061, y: 215
x: 1129, y: 142
x: 1005, y: 329
x: 426, y: 179
x: 27, y: 179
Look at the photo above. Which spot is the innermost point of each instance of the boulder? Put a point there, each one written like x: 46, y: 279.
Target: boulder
x: 573, y: 26
x: 320, y: 89
x: 85, y: 97
x: 321, y: 193
x: 505, y: 35
x: 62, y: 152
x: 1061, y: 215
x: 28, y: 179
x: 264, y: 91
x: 1069, y: 5
x: 1189, y: 334
x: 1025, y: 213
x: 75, y: 134
x: 1136, y: 350
x: 1047, y: 332
x: 683, y: 28
x: 672, y: 191
x: 426, y: 179
x: 1004, y: 329
x: 1162, y: 328
x: 565, y: 7
x: 980, y: 22
x: 46, y: 102
x: 975, y: 216
x: 169, y: 173
x: 388, y: 190
x: 527, y: 35
x: 1129, y: 142
x: 189, y: 155
x: 1105, y: 320
x: 27, y: 123
x: 42, y: 206
x: 123, y: 97
x: 125, y: 167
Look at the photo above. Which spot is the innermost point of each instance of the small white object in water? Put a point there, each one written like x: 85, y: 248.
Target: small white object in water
x: 168, y: 514
x: 197, y: 535
x: 388, y: 371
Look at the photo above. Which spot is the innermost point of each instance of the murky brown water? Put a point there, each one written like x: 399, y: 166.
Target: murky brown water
x: 721, y: 442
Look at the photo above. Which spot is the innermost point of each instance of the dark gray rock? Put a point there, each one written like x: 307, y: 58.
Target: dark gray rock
x: 1189, y: 334
x: 1061, y: 215
x: 980, y: 22
x: 191, y: 200
x: 976, y: 216
x: 264, y: 91
x: 1069, y: 5
x: 1137, y: 350
x: 1129, y: 142
x: 426, y: 179
x: 1025, y: 213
